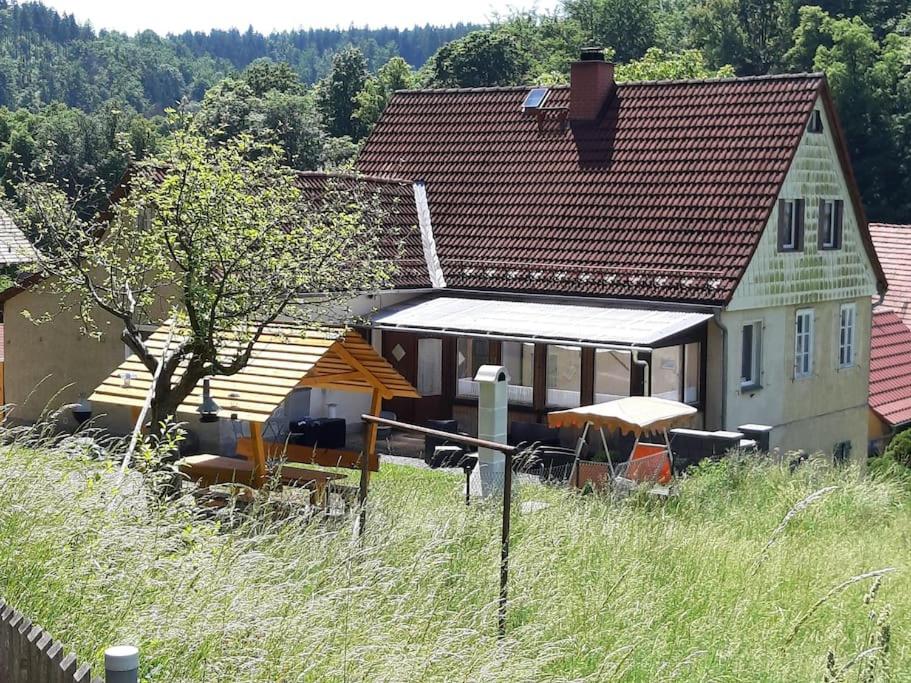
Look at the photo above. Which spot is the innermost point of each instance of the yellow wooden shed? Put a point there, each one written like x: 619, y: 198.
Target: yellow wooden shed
x: 283, y: 359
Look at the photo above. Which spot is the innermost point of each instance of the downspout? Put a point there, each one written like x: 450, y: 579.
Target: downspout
x: 646, y: 379
x: 724, y: 367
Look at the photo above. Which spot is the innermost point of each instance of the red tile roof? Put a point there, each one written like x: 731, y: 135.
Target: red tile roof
x: 893, y: 246
x: 890, y: 368
x: 664, y: 199
x: 400, y: 239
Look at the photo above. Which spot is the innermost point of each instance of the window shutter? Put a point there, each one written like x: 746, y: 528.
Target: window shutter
x: 800, y: 224
x: 782, y: 222
x: 821, y: 236
x: 839, y: 218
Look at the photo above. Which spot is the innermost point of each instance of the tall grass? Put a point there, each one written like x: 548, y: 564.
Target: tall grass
x: 636, y: 590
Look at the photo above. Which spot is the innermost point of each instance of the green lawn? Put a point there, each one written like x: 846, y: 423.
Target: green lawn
x: 600, y: 590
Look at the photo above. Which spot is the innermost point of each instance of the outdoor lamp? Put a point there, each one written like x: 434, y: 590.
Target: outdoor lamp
x: 232, y: 406
x: 208, y: 409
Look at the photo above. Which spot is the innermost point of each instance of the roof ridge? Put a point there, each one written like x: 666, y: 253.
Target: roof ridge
x: 804, y: 75
x: 807, y: 75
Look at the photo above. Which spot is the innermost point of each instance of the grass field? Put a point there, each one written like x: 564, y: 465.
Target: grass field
x: 721, y: 584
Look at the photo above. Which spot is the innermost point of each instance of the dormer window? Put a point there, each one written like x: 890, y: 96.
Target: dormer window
x: 790, y: 224
x: 831, y: 218
x: 815, y: 123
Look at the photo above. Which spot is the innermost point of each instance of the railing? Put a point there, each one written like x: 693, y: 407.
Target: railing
x: 28, y: 654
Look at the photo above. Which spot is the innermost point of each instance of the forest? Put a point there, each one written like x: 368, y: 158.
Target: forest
x: 79, y: 105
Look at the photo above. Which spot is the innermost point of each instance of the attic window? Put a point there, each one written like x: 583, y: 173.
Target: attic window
x: 534, y: 99
x: 814, y: 125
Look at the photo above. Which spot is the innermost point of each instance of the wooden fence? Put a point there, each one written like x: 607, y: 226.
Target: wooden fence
x: 28, y: 654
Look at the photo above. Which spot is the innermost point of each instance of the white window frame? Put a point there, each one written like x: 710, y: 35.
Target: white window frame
x: 804, y: 343
x: 847, y: 336
x: 754, y: 382
x: 790, y: 207
x: 830, y: 229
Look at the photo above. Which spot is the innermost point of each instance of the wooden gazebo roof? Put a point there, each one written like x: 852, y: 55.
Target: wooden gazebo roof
x: 282, y: 360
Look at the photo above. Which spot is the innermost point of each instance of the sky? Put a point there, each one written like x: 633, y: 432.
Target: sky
x: 175, y: 16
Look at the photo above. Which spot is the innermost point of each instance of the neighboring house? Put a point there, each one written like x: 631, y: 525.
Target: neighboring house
x: 52, y: 364
x: 890, y: 377
x: 893, y: 247
x: 890, y: 354
x: 700, y: 240
x: 15, y: 251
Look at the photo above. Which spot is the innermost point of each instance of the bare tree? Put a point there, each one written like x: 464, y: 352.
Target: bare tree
x: 220, y: 238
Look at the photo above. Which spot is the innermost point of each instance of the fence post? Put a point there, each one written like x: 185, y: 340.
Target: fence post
x: 121, y: 664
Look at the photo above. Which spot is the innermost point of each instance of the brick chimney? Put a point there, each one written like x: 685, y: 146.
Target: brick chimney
x: 591, y: 82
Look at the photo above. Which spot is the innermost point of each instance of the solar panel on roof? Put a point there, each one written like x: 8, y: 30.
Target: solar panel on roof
x: 534, y: 98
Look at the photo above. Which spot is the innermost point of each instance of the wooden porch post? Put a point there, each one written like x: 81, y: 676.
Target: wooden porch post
x: 259, y: 454
x: 376, y: 404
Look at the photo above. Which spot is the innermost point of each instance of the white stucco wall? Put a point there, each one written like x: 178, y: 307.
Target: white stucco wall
x: 830, y: 406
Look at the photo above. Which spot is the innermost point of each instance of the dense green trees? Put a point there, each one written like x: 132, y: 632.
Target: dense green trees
x: 86, y: 102
x: 482, y: 58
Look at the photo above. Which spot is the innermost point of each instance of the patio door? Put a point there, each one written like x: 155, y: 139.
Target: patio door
x: 420, y: 361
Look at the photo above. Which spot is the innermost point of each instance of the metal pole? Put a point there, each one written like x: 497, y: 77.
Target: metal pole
x: 121, y: 664
x: 507, y: 451
x: 504, y: 546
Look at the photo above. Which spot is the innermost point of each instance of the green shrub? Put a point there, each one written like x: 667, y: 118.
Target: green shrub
x: 899, y: 448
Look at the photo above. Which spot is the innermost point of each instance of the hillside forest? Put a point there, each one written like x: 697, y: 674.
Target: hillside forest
x: 79, y: 105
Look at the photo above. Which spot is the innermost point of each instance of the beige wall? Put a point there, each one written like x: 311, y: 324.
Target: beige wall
x: 812, y: 413
x: 74, y: 363
x: 51, y: 363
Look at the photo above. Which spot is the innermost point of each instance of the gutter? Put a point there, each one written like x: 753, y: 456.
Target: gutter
x: 514, y: 338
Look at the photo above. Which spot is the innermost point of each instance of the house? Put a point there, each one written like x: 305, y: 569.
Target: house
x: 15, y: 252
x: 890, y: 353
x: 55, y: 363
x: 699, y: 240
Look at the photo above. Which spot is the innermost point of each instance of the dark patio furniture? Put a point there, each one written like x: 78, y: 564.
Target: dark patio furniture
x: 326, y: 432
x: 432, y: 442
x: 532, y: 433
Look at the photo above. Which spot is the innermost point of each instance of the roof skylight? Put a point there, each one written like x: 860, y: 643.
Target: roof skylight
x: 534, y: 99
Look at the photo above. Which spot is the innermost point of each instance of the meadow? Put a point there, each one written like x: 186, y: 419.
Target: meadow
x: 752, y: 573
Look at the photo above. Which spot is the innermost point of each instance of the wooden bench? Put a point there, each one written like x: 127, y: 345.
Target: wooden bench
x: 325, y: 457
x: 208, y: 470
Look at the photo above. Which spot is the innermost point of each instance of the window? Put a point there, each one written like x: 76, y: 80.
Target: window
x: 564, y: 376
x: 751, y: 356
x: 691, y: 360
x: 831, y: 214
x: 803, y: 344
x: 519, y: 359
x: 814, y: 125
x: 471, y: 354
x: 612, y: 370
x: 430, y: 367
x: 790, y: 224
x: 667, y: 373
x: 846, y: 336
